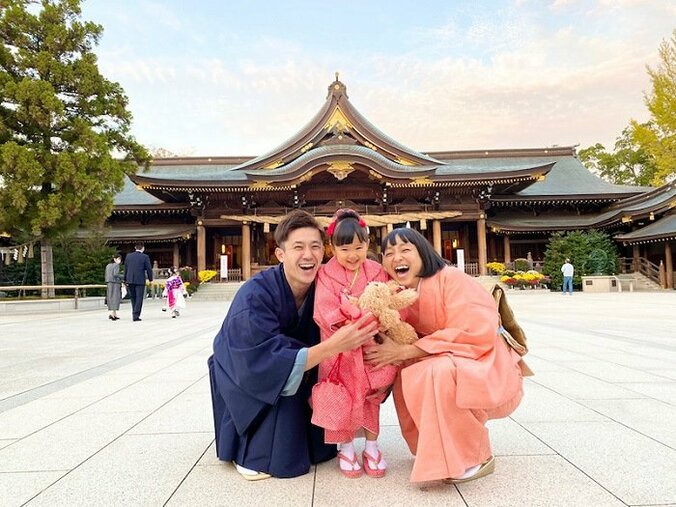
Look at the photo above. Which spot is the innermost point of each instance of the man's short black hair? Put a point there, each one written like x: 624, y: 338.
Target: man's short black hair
x: 139, y: 246
x: 296, y: 219
x: 431, y: 260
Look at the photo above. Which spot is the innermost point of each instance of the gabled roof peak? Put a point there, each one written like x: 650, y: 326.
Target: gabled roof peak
x: 337, y: 88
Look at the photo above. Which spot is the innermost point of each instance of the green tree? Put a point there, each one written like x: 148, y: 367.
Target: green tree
x: 65, y: 144
x: 629, y: 164
x: 658, y: 136
x: 582, y: 248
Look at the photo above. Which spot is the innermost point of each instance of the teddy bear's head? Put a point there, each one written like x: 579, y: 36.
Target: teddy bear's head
x: 384, y: 300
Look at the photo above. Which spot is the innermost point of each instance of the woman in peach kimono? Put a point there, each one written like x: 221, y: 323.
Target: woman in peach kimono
x: 457, y: 375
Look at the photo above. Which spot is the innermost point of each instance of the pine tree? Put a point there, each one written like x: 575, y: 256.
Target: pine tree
x: 65, y: 145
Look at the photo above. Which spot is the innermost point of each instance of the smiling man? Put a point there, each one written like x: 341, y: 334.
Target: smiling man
x: 265, y: 357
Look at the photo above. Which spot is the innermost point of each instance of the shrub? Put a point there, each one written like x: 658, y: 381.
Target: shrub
x: 582, y: 248
x: 521, y: 265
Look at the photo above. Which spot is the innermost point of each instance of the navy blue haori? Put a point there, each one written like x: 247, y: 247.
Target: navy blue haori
x: 254, y: 353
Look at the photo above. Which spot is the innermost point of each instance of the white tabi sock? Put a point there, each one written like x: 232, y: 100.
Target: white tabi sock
x: 371, y: 448
x: 347, y: 450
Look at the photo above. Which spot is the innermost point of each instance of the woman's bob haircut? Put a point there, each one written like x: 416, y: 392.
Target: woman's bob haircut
x: 431, y: 260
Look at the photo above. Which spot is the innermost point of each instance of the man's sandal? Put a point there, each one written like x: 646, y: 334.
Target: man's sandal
x: 350, y: 474
x: 251, y: 475
x: 371, y: 465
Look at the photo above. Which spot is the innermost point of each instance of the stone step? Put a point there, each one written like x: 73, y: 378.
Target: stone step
x: 217, y: 291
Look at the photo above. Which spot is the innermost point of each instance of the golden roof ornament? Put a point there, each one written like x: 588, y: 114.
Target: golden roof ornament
x: 337, y: 88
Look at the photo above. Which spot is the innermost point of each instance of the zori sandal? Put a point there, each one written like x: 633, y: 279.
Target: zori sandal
x: 486, y: 468
x: 371, y: 465
x: 350, y: 474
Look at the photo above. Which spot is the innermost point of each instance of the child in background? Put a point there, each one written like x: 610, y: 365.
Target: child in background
x: 347, y: 274
x: 175, y: 290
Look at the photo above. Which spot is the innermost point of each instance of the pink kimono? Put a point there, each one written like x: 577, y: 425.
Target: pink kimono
x: 364, y: 383
x: 444, y: 400
x: 174, y: 287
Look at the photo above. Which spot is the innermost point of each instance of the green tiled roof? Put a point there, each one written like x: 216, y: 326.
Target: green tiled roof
x: 130, y: 195
x: 664, y: 228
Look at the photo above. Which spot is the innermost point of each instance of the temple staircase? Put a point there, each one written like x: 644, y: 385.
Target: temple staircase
x: 217, y: 291
x: 641, y: 282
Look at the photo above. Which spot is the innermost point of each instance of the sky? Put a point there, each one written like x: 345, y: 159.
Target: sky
x: 238, y: 78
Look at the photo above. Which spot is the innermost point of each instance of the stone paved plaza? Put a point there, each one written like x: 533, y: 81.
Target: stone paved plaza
x: 94, y: 412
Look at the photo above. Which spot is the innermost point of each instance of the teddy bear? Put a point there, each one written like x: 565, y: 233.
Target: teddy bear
x: 384, y: 300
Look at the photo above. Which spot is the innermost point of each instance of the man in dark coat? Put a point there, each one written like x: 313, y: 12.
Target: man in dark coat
x: 265, y: 357
x: 136, y: 267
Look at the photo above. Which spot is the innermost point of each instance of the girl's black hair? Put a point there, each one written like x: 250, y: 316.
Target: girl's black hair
x: 431, y: 260
x: 347, y: 226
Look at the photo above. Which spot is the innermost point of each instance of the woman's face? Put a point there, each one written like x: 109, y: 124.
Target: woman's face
x: 403, y: 263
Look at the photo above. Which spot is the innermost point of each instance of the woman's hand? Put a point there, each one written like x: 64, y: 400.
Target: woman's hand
x: 386, y: 353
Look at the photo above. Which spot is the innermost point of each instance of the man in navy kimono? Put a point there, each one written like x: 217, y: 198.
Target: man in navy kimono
x: 265, y: 357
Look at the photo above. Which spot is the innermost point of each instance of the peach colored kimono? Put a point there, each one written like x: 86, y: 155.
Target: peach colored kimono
x: 443, y: 400
x: 363, y: 381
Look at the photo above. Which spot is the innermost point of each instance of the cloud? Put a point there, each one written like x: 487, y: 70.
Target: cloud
x: 514, y: 79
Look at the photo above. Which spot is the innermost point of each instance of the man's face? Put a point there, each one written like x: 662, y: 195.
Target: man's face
x: 302, y: 255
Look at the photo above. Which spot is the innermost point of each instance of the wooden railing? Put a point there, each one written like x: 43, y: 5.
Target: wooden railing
x: 471, y: 268
x: 643, y: 266
x: 22, y: 289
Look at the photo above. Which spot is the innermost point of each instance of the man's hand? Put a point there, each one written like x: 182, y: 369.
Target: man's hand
x: 348, y: 337
x: 354, y: 334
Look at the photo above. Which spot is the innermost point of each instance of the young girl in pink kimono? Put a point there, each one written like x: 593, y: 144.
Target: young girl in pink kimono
x: 175, y: 289
x: 459, y: 374
x: 347, y: 274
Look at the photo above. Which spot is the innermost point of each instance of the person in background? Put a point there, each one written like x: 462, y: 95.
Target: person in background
x: 113, y: 279
x: 176, y: 292
x: 568, y: 270
x: 136, y: 268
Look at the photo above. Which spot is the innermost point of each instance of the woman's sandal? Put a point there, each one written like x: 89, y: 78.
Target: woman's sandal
x: 369, y: 460
x: 351, y: 474
x: 486, y: 468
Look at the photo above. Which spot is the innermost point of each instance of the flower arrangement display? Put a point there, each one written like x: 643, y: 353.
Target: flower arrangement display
x: 206, y: 275
x: 528, y: 279
x: 496, y: 267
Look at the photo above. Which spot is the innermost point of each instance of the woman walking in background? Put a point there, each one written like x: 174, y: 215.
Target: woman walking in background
x: 113, y: 286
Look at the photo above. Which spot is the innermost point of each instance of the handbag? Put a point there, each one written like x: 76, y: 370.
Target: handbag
x: 331, y: 401
x: 510, y: 330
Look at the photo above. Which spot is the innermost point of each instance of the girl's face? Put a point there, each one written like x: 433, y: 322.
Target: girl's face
x: 352, y: 255
x: 403, y: 263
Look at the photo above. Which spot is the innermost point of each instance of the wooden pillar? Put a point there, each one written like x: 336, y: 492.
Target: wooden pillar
x: 246, y: 251
x: 201, y: 247
x: 669, y: 265
x: 662, y: 276
x: 177, y: 258
x: 636, y: 254
x: 481, y: 238
x: 436, y: 235
x: 508, y: 251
